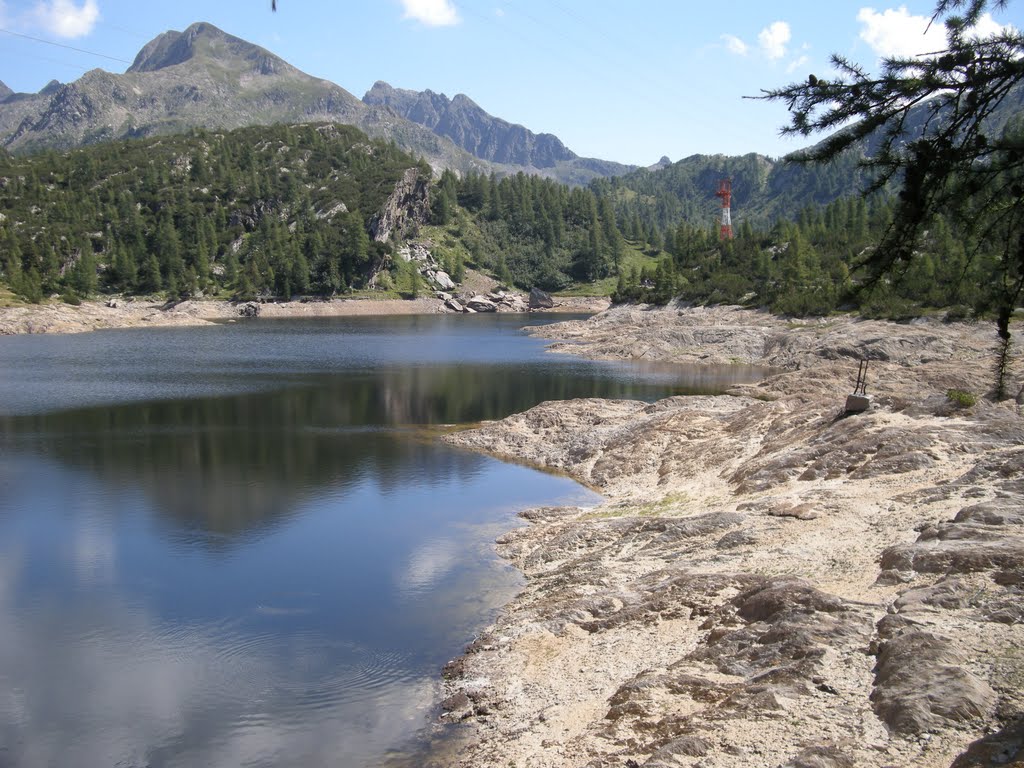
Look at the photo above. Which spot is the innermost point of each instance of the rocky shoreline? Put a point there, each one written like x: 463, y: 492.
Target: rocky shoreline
x: 770, y: 582
x: 58, y: 317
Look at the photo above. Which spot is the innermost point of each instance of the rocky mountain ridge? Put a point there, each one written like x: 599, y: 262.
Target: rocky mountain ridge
x: 204, y: 77
x: 487, y: 137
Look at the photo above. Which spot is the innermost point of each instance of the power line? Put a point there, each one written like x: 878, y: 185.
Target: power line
x: 58, y: 62
x: 62, y: 45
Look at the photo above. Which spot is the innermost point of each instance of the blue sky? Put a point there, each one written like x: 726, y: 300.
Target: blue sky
x: 625, y: 81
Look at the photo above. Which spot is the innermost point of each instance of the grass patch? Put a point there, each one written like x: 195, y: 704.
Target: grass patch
x: 659, y: 508
x: 10, y: 299
x: 961, y: 398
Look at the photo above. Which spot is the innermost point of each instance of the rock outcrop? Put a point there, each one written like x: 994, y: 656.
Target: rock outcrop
x: 204, y: 77
x: 405, y: 209
x: 489, y: 138
x: 768, y: 582
x: 464, y: 122
x: 419, y: 254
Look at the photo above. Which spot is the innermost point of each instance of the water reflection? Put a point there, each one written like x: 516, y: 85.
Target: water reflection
x: 318, y: 645
x: 227, y: 465
x: 242, y: 548
x: 113, y: 685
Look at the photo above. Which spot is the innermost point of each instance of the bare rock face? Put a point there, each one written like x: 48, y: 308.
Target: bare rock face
x: 721, y: 607
x: 404, y: 209
x: 822, y: 756
x: 921, y: 683
x: 1004, y: 747
x: 981, y: 538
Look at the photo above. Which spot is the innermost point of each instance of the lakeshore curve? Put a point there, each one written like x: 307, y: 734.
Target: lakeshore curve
x: 769, y: 582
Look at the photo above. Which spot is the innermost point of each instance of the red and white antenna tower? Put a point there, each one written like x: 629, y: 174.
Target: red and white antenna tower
x: 725, y: 192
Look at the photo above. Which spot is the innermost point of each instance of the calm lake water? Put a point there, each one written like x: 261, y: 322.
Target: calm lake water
x: 242, y: 545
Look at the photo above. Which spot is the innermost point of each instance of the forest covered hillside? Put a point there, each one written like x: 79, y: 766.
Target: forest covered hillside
x: 310, y: 210
x: 285, y: 209
x: 279, y: 211
x: 766, y: 189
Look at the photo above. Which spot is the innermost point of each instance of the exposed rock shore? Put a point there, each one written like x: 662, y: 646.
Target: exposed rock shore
x: 57, y: 317
x: 769, y: 582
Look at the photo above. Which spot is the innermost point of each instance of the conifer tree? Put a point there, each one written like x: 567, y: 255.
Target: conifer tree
x: 955, y: 164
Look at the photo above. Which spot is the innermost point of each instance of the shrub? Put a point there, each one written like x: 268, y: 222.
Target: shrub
x: 960, y: 398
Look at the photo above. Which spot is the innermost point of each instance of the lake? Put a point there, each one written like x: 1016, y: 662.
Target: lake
x: 244, y: 545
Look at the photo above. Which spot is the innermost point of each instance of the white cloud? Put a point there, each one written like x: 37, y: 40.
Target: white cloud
x: 735, y: 45
x: 797, y: 63
x: 987, y: 26
x: 433, y: 13
x: 427, y: 565
x: 899, y: 33
x: 773, y: 39
x: 141, y: 684
x: 64, y: 18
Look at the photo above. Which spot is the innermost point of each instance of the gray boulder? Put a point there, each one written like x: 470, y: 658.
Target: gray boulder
x: 481, y: 304
x: 443, y: 281
x: 540, y: 299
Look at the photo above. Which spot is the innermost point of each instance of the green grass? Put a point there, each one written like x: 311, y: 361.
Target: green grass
x: 10, y: 299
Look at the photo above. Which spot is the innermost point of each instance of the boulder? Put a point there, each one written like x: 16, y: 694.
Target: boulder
x: 454, y: 305
x: 482, y: 304
x: 443, y: 281
x: 540, y: 299
x: 249, y: 309
x: 511, y: 302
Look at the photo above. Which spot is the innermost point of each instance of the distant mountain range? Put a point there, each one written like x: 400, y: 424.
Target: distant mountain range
x: 203, y: 77
x: 490, y: 138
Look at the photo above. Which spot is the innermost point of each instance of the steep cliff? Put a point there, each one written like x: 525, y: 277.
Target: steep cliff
x: 405, y: 208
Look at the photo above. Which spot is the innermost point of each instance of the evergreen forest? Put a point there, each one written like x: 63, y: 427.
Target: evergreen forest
x: 286, y: 211
x: 280, y: 210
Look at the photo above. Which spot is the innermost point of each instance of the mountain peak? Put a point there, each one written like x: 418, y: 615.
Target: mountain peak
x: 464, y: 122
x: 5, y: 91
x: 203, y: 39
